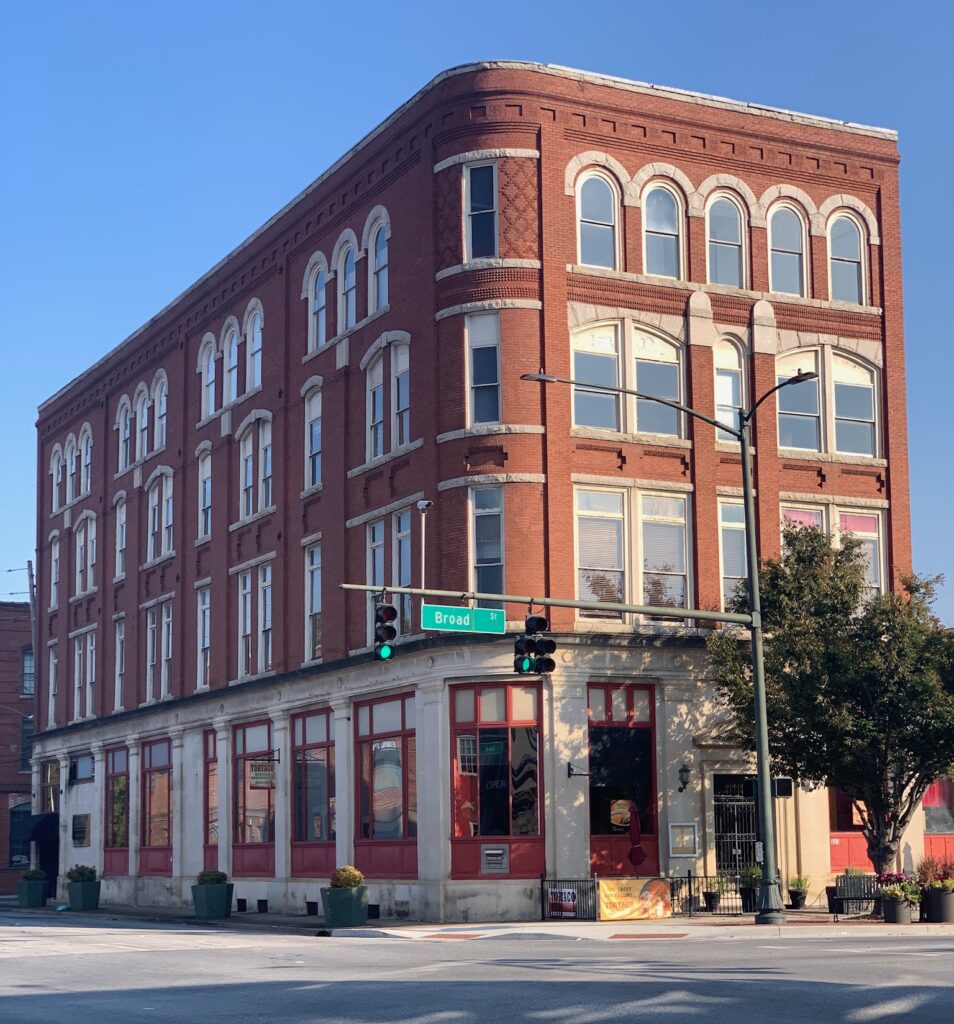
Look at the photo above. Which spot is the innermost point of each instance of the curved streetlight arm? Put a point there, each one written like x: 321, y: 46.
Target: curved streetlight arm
x: 799, y: 378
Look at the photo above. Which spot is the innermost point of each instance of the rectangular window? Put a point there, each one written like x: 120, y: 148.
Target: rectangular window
x: 938, y: 804
x: 596, y: 361
x: 26, y: 742
x: 152, y: 651
x: 799, y: 424
x: 866, y: 527
x: 80, y: 567
x: 54, y: 572
x: 601, y: 526
x: 314, y: 778
x: 254, y: 787
x: 205, y: 495
x: 211, y: 765
x: 166, y: 515
x: 376, y: 409
x: 264, y: 618
x: 165, y: 677
x: 659, y: 377
x: 248, y: 476
x: 497, y: 767
x: 53, y: 669
x: 728, y: 401
x: 82, y: 768
x: 487, y: 505
x: 387, y: 769
x: 265, y: 466
x: 313, y: 602
x: 313, y: 440
x: 401, y: 567
x: 664, y: 550
x: 90, y: 672
x: 375, y: 563
x: 79, y: 659
x: 155, y: 534
x: 119, y: 664
x: 854, y: 418
x: 480, y: 203
x: 121, y: 538
x: 483, y: 344
x: 401, y: 395
x: 157, y: 794
x: 50, y: 787
x: 245, y: 624
x: 734, y: 552
x: 203, y: 638
x: 27, y: 673
x: 116, y: 831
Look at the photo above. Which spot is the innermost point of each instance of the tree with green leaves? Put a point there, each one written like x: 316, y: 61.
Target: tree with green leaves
x: 859, y: 688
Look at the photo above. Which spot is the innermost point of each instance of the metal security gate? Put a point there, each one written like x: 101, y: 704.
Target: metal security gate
x: 736, y: 824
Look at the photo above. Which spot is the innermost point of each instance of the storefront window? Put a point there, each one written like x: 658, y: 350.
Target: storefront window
x: 254, y: 784
x: 938, y: 806
x: 156, y: 793
x: 387, y: 769
x: 314, y: 785
x: 117, y: 798
x: 497, y: 766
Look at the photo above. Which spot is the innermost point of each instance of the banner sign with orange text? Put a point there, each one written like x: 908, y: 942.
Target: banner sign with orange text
x: 634, y: 899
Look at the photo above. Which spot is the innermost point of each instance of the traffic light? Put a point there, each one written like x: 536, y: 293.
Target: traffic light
x: 532, y: 652
x: 384, y: 631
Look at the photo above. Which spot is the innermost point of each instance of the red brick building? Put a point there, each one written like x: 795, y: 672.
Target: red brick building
x: 207, y: 485
x: 17, y: 696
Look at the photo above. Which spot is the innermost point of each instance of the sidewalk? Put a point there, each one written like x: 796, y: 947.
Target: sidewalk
x: 800, y: 925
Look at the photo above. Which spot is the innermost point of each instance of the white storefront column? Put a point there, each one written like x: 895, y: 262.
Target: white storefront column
x: 135, y: 805
x: 433, y: 797
x: 567, y: 802
x: 281, y: 748
x: 178, y: 800
x: 66, y: 839
x: 224, y: 759
x: 191, y: 832
x: 344, y: 782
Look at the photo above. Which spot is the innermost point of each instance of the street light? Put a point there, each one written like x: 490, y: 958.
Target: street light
x: 770, y: 909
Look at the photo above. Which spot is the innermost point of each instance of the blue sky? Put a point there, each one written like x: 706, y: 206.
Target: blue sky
x: 143, y: 142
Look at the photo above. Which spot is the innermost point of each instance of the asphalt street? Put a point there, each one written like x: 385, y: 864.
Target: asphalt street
x: 89, y: 973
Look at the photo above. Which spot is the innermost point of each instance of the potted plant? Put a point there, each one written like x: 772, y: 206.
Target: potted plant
x: 31, y: 889
x: 898, y: 899
x: 212, y: 895
x: 345, y: 901
x: 798, y: 891
x: 718, y: 887
x: 750, y: 881
x: 939, y: 901
x: 83, y: 887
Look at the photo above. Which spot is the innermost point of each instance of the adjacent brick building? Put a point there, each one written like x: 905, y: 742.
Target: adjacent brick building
x: 207, y: 485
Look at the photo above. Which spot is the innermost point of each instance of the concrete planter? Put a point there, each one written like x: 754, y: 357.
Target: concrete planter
x: 345, y: 908
x: 31, y: 894
x: 83, y: 895
x: 940, y: 905
x: 213, y: 901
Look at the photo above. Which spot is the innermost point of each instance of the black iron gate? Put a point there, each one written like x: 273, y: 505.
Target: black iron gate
x: 736, y: 824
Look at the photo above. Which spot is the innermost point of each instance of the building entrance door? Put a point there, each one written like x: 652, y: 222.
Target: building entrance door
x: 736, y: 824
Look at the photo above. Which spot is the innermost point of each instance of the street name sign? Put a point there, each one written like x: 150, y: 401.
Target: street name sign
x: 455, y: 619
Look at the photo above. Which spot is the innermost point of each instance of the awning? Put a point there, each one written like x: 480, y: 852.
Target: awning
x: 42, y: 828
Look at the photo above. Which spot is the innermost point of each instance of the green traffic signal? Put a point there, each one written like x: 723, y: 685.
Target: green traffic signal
x: 523, y: 663
x: 383, y: 652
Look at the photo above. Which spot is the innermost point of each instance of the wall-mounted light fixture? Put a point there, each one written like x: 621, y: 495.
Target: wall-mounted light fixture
x: 684, y: 775
x: 572, y: 770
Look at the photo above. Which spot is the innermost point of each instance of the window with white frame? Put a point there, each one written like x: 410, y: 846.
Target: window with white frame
x: 264, y: 465
x: 119, y: 663
x: 400, y: 395
x: 56, y: 474
x: 483, y: 346
x: 86, y: 447
x: 728, y: 387
x: 663, y: 543
x: 319, y: 308
x: 142, y: 427
x: 846, y: 267
x: 657, y: 372
x: 313, y: 438
x: 601, y: 555
x: 596, y: 361
x: 253, y: 346
x: 245, y: 624
x: 375, y: 564
x: 231, y: 366
x: 787, y: 251
x: 255, y: 468
x: 161, y: 402
x: 724, y: 224
x: 85, y: 554
x: 401, y: 567
x: 839, y: 521
x: 264, y: 618
x: 247, y: 468
x: 597, y: 212
x: 90, y: 672
x: 313, y: 602
x: 79, y: 669
x: 488, y: 542
x: 159, y: 512
x: 203, y: 638
x: 165, y: 667
x: 853, y: 386
x: 375, y: 402
x: 662, y: 236
x: 120, y: 538
x: 733, y: 549
x: 799, y: 405
x: 480, y: 206
x: 53, y: 666
x: 379, y: 269
x: 208, y: 381
x: 347, y: 291
x: 72, y: 470
x: 125, y: 438
x: 54, y: 572
x: 204, y: 466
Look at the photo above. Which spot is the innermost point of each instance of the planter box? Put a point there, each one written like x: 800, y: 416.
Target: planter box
x: 798, y: 898
x: 345, y: 908
x: 749, y: 895
x: 31, y: 894
x: 212, y: 901
x: 83, y: 895
x: 897, y: 911
x: 940, y: 905
x: 712, y: 901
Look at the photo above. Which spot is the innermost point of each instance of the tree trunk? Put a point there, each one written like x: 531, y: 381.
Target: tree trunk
x: 882, y: 853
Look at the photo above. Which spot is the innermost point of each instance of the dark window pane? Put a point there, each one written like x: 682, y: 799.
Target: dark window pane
x: 660, y: 379
x: 854, y: 401
x: 725, y: 264
x: 597, y: 246
x: 801, y: 397
x: 494, y: 774
x: 486, y: 405
x: 524, y: 817
x: 481, y: 189
x: 662, y: 255
x: 620, y: 771
x: 482, y: 240
x: 485, y: 365
x: 787, y: 273
x: 846, y: 281
x: 854, y: 438
x: 798, y: 432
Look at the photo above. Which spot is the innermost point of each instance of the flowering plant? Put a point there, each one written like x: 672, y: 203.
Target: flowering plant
x: 907, y: 891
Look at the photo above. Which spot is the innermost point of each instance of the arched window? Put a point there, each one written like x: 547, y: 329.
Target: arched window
x: 728, y: 387
x: 658, y: 372
x: 86, y: 444
x: 379, y: 284
x: 375, y: 404
x: 661, y: 218
x: 845, y: 264
x: 597, y: 222
x: 313, y: 438
x: 121, y: 537
x: 725, y: 243
x: 72, y: 470
x: 56, y: 475
x: 125, y: 438
x: 208, y: 382
x: 319, y: 309
x: 787, y: 242
x: 142, y: 426
x: 159, y: 515
x: 231, y: 366
x: 205, y: 494
x: 84, y: 553
x: 854, y: 392
x: 400, y: 395
x: 347, y: 291
x: 160, y: 399
x: 253, y: 371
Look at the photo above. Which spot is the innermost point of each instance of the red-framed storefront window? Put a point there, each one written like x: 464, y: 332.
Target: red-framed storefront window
x: 116, y: 823
x: 253, y: 837
x: 622, y: 767
x: 497, y: 809
x: 847, y: 844
x: 938, y: 804
x: 155, y: 851
x: 210, y: 840
x: 386, y: 779
x: 313, y: 794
